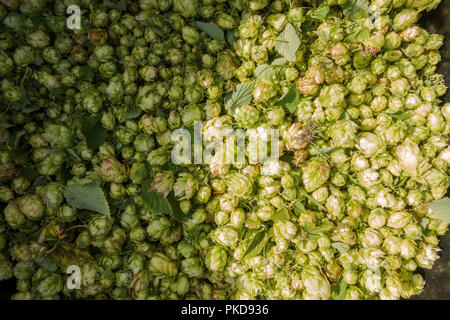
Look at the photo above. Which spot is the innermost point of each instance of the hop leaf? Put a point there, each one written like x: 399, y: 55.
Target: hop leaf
x: 256, y: 245
x: 161, y: 204
x: 355, y: 9
x: 441, y: 209
x: 290, y: 100
x: 242, y: 95
x: 321, y: 13
x: 210, y: 29
x: 88, y: 196
x: 288, y: 43
x: 94, y: 132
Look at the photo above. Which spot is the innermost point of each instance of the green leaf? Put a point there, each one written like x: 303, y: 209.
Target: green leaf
x: 65, y: 174
x: 21, y: 155
x: 345, y: 116
x: 363, y: 35
x: 89, y: 124
x: 299, y: 208
x: 93, y: 131
x: 28, y: 173
x: 36, y: 84
x: 358, y: 36
x: 46, y: 262
x: 14, y: 141
x: 37, y: 21
x: 162, y: 205
x: 38, y: 181
x: 88, y: 196
x: 441, y: 209
x: 132, y: 113
x: 321, y: 13
x: 317, y: 230
x: 20, y: 237
x: 177, y: 213
x: 32, y: 108
x: 120, y: 5
x: 401, y: 182
x: 290, y: 100
x: 159, y: 31
x: 318, y: 204
x: 210, y: 29
x: 86, y: 73
x: 399, y: 115
x: 351, y: 37
x: 256, y: 245
x: 85, y: 215
x: 57, y: 93
x: 431, y: 6
x: 73, y: 153
x: 4, y: 124
x: 282, y: 214
x: 242, y: 95
x: 279, y: 62
x: 120, y: 203
x: 287, y: 158
x: 356, y: 9
x: 288, y: 43
x: 328, y: 150
x: 25, y: 101
x: 156, y: 202
x: 429, y: 233
x: 340, y: 246
x: 323, y: 36
x: 230, y: 37
x: 339, y: 289
x: 262, y: 70
x: 170, y: 166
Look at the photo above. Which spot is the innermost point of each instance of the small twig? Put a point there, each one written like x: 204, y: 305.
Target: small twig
x: 325, y: 276
x: 24, y: 77
x: 75, y: 227
x: 14, y: 39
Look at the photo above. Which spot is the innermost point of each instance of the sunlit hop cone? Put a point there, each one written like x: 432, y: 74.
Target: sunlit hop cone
x: 163, y: 183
